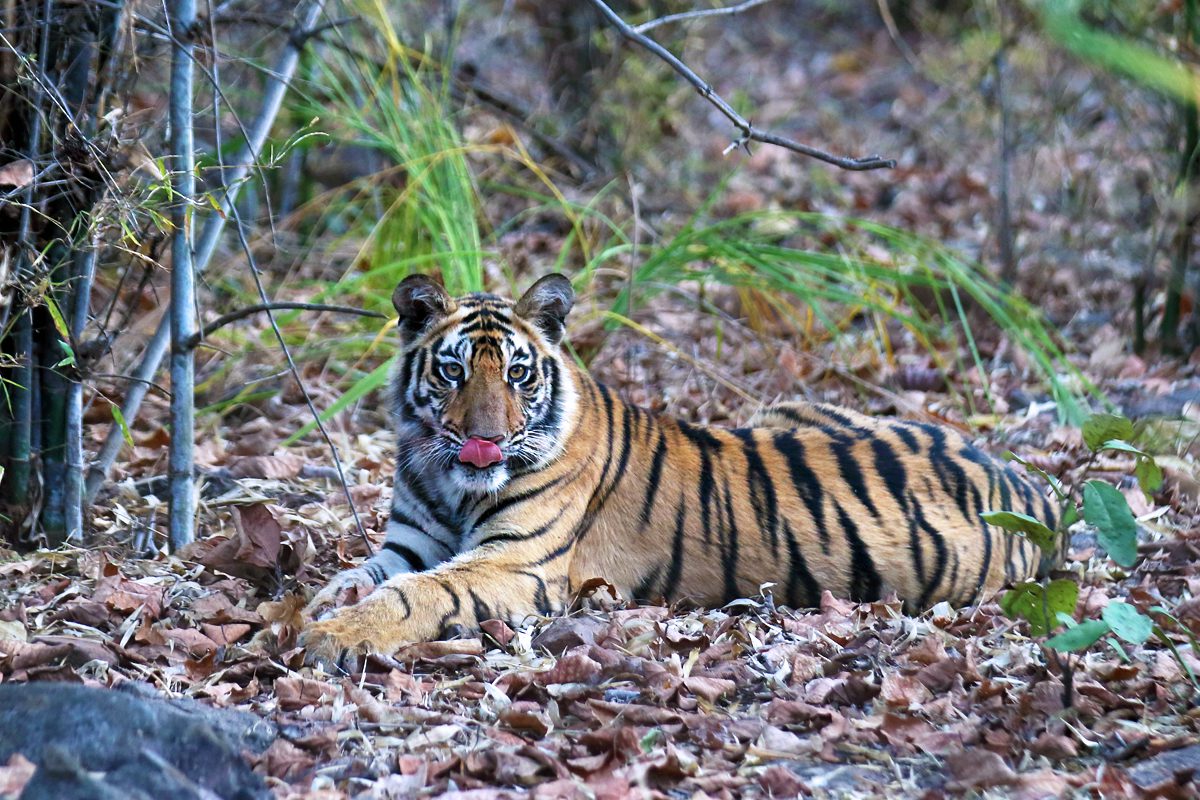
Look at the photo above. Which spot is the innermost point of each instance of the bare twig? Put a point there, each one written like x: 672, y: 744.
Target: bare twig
x: 749, y: 133
x: 1004, y: 226
x: 684, y: 16
x: 249, y: 311
x: 267, y: 307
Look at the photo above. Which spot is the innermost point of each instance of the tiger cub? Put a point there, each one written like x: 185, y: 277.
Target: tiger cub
x: 519, y: 477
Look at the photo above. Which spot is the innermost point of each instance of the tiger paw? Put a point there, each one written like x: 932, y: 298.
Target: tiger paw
x: 336, y: 641
x: 346, y: 588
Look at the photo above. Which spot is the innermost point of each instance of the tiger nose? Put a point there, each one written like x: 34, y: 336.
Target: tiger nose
x: 495, y: 438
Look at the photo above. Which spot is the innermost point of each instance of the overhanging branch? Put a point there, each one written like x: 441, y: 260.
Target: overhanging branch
x: 749, y: 133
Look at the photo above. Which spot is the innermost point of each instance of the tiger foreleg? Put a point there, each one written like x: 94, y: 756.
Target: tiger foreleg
x: 406, y: 549
x: 484, y: 583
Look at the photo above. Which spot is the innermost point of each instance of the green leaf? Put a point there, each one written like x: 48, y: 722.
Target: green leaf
x: 56, y: 317
x: 1070, y: 516
x: 1054, y: 482
x: 120, y: 420
x: 1041, y: 606
x: 1149, y: 475
x: 1127, y: 622
x: 1061, y: 597
x: 1106, y: 509
x: 1081, y: 637
x: 1124, y: 447
x: 1022, y: 524
x: 653, y: 738
x: 1102, y: 428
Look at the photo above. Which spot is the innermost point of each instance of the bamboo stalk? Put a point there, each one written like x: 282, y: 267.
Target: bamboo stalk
x: 85, y: 272
x: 15, y: 489
x: 210, y: 235
x: 182, y: 500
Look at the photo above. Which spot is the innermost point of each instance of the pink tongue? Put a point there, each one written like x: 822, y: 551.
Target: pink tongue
x: 480, y: 453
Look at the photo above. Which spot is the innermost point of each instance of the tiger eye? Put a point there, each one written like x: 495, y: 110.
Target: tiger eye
x: 517, y: 372
x: 452, y: 371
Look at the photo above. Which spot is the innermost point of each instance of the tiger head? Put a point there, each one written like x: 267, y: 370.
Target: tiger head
x: 482, y: 390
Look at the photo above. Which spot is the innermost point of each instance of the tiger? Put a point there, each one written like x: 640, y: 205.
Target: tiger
x: 519, y: 477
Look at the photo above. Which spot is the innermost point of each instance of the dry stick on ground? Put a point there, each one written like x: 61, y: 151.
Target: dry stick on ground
x: 748, y: 131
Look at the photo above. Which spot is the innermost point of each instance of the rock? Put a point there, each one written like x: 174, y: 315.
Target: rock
x: 95, y: 743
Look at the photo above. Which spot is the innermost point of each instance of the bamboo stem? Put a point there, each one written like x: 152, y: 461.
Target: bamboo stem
x: 15, y: 489
x: 210, y: 235
x: 182, y: 499
x: 85, y: 272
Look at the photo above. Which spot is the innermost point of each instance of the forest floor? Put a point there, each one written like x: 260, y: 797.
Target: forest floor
x: 615, y: 700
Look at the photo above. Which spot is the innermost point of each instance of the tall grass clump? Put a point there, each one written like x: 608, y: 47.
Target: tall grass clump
x: 420, y: 212
x: 870, y: 274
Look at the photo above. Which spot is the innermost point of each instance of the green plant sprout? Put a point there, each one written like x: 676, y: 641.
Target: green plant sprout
x: 1048, y: 605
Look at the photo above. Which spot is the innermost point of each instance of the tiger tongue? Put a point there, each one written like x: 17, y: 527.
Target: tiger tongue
x: 480, y: 453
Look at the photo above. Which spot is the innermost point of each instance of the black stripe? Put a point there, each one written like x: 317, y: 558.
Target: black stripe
x: 512, y: 536
x: 412, y: 482
x: 799, y: 573
x: 626, y: 434
x: 939, y: 548
x: 986, y: 531
x: 676, y: 569
x: 513, y: 499
x: 444, y: 623
x: 397, y: 515
x: 948, y: 470
x: 852, y: 472
x: 481, y: 609
x: 762, y: 490
x: 905, y: 435
x: 645, y: 588
x: 408, y: 554
x: 402, y: 598
x: 891, y: 469
x: 864, y: 580
x: 704, y: 442
x: 607, y: 403
x: 806, y: 483
x: 839, y: 418
x: 730, y: 559
x: 652, y: 483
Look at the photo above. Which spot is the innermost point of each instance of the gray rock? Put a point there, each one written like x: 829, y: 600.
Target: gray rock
x: 94, y: 743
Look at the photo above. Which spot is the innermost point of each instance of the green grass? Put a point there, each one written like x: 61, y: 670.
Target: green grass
x: 422, y: 212
x: 874, y: 273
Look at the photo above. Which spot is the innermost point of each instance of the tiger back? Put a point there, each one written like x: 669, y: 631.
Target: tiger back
x: 519, y: 478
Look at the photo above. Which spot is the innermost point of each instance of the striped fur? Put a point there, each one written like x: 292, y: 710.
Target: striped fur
x: 810, y: 498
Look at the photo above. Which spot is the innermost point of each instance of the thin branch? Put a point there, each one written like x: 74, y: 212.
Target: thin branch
x: 748, y: 131
x: 249, y: 311
x: 240, y: 229
x: 670, y: 19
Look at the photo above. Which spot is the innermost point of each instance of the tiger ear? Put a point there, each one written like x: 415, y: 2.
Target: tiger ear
x: 546, y: 305
x: 420, y: 301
